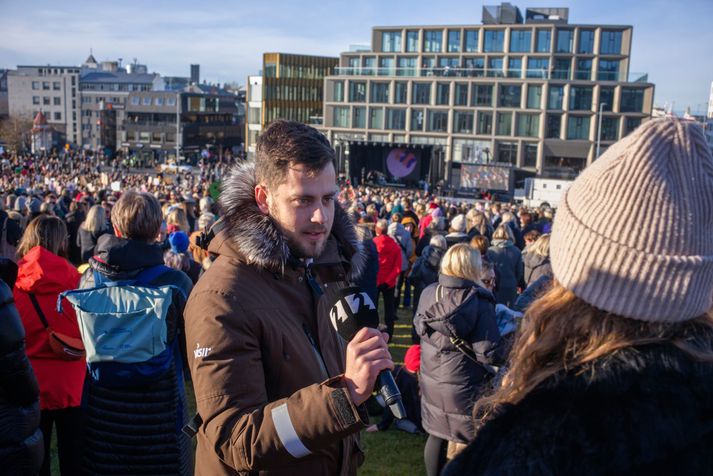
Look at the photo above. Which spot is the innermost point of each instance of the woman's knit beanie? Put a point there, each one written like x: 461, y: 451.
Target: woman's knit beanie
x: 634, y: 233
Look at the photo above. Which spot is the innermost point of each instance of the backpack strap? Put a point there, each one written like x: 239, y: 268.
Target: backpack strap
x: 148, y: 275
x: 38, y: 310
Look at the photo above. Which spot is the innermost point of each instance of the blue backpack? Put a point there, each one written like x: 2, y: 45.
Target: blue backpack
x: 124, y: 329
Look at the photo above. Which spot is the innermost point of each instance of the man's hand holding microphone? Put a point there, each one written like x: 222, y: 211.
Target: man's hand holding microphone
x: 367, y: 355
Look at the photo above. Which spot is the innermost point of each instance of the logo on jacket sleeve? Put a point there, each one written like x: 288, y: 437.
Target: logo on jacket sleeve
x: 200, y: 352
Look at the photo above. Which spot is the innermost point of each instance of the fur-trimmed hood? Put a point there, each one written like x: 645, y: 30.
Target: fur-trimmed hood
x: 257, y: 238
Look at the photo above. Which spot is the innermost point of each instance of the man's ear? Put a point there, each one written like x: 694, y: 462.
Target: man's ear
x: 262, y: 198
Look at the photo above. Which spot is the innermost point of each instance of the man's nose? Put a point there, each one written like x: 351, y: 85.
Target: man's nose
x: 319, y: 215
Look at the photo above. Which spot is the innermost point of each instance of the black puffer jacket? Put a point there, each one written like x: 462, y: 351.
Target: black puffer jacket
x: 21, y: 444
x: 450, y: 381
x: 644, y: 410
x: 425, y: 270
x: 138, y: 430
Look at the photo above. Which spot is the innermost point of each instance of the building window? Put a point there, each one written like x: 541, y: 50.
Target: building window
x: 454, y: 41
x: 35, y: 85
x: 391, y: 41
x: 515, y: 67
x: 543, y: 40
x: 474, y: 66
x: 432, y: 40
x: 437, y: 121
x: 406, y: 66
x: 170, y: 101
x: 400, y: 92
x: 442, y: 94
x: 412, y: 41
x: 359, y: 118
x: 564, y: 41
x: 376, y: 118
x: 448, y: 64
x: 509, y: 95
x: 471, y: 41
x: 584, y: 69
x: 495, y: 68
x: 461, y: 94
x: 608, y: 70
x: 158, y: 100
x: 493, y: 41
x: 36, y: 100
x: 578, y: 128
x: 580, y: 98
x: 386, y: 66
x: 57, y: 101
x: 338, y: 91
x: 146, y: 101
x: 520, y: 41
x: 504, y: 125
x: 610, y: 43
x: 45, y: 85
x: 555, y: 97
x: 357, y: 91
x: 396, y: 119
x: 528, y: 125
x: 421, y: 93
x: 534, y: 96
x: 610, y: 128
x: 562, y: 68
x: 485, y: 123
x: 369, y: 63
x: 56, y: 85
x: 482, y: 95
x: 606, y: 97
x: 632, y: 100
x: 380, y: 92
x: 45, y: 100
x: 463, y: 122
x: 417, y: 120
x: 631, y: 123
x: 538, y: 67
x: 507, y: 153
x: 586, y: 42
x: 530, y: 155
x: 57, y: 116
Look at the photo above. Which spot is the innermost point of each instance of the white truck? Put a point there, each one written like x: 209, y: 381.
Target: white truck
x: 540, y: 190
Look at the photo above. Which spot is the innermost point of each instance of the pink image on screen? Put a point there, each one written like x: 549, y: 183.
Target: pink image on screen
x: 401, y: 162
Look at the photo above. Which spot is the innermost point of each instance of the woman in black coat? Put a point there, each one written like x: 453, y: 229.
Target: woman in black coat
x: 21, y: 443
x: 94, y: 226
x: 459, y: 343
x: 509, y: 267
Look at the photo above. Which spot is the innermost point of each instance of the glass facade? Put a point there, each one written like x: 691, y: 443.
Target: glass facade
x: 359, y: 117
x: 610, y: 128
x: 376, y: 117
x: 391, y: 41
x: 544, y: 40
x: 454, y: 41
x: 578, y: 128
x: 471, y: 41
x: 528, y: 125
x: 406, y: 66
x: 341, y: 116
x: 432, y: 41
x: 632, y: 100
x: 386, y: 66
x: 586, y: 42
x: 443, y: 93
x: 555, y: 97
x: 417, y: 120
x: 493, y: 41
x: 606, y: 97
x: 534, y: 96
x: 509, y: 95
x: 482, y: 95
x: 562, y: 69
x: 515, y: 68
x: 507, y: 153
x: 608, y: 70
x: 400, y: 92
x: 412, y: 41
x: 460, y: 97
x: 530, y: 159
x: 380, y: 92
x: 495, y: 67
x: 565, y: 41
x: 421, y: 93
x: 538, y: 67
x: 610, y: 43
x: 485, y: 123
x: 357, y: 91
x: 631, y: 123
x: 463, y: 122
x: 437, y: 121
x: 584, y: 69
x: 504, y: 125
x: 554, y: 126
x: 520, y: 41
x: 396, y: 119
x: 580, y: 98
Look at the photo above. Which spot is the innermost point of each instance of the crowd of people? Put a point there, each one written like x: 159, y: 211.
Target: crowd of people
x: 543, y: 341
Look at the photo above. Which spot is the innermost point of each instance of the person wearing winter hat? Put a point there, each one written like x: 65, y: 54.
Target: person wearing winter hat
x: 177, y: 256
x: 456, y: 231
x: 612, y: 369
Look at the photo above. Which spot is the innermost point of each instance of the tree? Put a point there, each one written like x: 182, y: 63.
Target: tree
x: 15, y: 132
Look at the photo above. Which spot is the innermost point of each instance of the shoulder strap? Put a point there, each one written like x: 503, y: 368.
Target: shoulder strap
x: 38, y: 310
x: 148, y: 275
x: 439, y: 293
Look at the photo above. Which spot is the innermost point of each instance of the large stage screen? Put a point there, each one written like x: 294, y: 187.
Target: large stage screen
x: 484, y: 177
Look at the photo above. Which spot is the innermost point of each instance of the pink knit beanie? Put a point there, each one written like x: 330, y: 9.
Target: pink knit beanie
x: 634, y: 233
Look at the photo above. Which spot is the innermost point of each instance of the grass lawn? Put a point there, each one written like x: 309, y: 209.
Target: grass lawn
x: 391, y: 452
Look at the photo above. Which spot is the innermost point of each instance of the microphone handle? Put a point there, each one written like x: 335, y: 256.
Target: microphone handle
x: 387, y: 388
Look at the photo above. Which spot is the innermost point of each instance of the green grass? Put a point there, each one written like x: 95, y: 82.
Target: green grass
x: 388, y: 453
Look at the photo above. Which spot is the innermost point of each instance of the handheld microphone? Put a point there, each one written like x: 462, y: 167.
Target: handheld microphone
x: 351, y: 312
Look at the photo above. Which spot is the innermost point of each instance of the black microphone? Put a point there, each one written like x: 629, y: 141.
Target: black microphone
x: 353, y: 311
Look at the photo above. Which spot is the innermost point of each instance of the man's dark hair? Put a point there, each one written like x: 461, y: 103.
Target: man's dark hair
x: 287, y: 143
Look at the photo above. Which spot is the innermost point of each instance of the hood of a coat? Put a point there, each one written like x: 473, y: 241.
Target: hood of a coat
x: 43, y: 272
x: 502, y: 243
x: 254, y: 237
x: 433, y: 255
x: 534, y: 260
x: 119, y: 258
x: 445, y: 315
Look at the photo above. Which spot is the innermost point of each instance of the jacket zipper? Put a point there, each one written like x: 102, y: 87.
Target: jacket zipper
x: 317, y: 353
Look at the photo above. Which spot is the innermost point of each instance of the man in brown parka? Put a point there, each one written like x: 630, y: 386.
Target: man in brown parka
x: 278, y: 391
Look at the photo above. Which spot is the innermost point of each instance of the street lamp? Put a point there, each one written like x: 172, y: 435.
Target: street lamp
x: 599, y: 128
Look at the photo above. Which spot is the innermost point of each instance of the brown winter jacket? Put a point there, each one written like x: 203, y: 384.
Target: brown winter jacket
x: 272, y: 403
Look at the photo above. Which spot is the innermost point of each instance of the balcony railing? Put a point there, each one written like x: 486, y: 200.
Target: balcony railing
x: 494, y: 73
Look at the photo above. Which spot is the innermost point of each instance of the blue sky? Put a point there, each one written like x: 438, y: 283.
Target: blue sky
x: 227, y: 38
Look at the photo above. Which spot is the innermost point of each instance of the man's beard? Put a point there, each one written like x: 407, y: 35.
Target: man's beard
x: 297, y: 249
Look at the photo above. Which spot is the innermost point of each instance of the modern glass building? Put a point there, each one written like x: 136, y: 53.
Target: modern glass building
x: 291, y: 87
x: 531, y: 93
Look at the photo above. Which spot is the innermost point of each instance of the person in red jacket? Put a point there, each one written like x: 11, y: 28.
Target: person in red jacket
x: 44, y: 272
x: 389, y: 269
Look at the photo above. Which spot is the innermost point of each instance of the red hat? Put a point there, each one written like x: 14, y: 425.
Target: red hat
x: 432, y: 206
x: 412, y: 359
